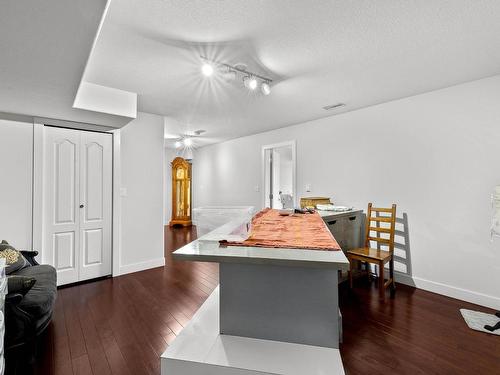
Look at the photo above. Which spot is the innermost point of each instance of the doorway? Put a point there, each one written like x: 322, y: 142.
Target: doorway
x: 278, y: 167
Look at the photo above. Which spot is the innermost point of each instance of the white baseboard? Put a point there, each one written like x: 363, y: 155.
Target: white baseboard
x: 449, y: 291
x: 141, y: 266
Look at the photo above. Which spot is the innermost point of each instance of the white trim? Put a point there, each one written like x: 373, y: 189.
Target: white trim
x: 292, y: 143
x: 37, y: 235
x: 141, y: 266
x: 72, y: 125
x: 449, y: 291
x: 117, y: 204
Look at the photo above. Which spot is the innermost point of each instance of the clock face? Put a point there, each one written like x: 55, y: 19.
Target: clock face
x: 180, y: 173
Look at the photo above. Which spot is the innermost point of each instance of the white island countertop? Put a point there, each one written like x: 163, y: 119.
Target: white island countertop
x: 208, y: 249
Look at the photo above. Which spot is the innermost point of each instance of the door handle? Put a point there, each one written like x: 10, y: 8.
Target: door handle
x: 81, y: 206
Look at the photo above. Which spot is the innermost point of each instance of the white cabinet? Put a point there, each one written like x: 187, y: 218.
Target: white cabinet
x: 77, y: 204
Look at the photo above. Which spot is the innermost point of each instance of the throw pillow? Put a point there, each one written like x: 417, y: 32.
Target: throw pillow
x: 14, y: 260
x: 19, y: 284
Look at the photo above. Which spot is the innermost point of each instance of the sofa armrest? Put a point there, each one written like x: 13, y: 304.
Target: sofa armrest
x: 30, y: 256
x: 19, y: 324
x: 13, y: 298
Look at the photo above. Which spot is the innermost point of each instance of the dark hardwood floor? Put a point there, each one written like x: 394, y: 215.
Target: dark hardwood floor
x: 122, y: 325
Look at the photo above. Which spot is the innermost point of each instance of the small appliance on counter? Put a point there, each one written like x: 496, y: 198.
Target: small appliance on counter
x: 311, y: 202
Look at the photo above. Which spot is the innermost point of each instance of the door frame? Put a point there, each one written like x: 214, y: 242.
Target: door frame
x: 38, y: 189
x: 293, y: 144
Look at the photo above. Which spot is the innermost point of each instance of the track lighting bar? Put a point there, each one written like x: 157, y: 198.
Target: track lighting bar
x: 236, y: 69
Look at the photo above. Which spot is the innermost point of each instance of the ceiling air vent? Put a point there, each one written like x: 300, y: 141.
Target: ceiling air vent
x: 333, y: 106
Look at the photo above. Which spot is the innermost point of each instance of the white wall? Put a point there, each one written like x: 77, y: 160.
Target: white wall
x: 142, y: 166
x: 16, y: 158
x: 170, y: 155
x: 437, y: 155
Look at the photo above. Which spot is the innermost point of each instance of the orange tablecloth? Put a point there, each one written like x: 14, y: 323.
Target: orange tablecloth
x: 298, y: 231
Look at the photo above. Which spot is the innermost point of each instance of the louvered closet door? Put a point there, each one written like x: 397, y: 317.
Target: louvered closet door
x: 95, y: 197
x: 61, y: 204
x: 77, y: 205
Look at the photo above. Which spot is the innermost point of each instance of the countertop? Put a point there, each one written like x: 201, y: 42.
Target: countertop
x: 208, y: 249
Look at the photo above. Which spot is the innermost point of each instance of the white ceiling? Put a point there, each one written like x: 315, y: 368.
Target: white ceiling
x: 44, y: 46
x: 320, y: 52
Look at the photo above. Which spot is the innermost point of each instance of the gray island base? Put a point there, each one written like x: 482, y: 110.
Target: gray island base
x: 276, y: 312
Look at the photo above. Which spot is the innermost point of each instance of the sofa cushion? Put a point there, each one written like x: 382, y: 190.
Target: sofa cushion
x: 41, y: 298
x: 14, y: 260
x: 19, y: 284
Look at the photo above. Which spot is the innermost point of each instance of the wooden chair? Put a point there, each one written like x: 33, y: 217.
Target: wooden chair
x: 383, y: 227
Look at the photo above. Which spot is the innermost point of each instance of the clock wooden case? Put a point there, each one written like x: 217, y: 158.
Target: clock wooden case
x: 181, y: 192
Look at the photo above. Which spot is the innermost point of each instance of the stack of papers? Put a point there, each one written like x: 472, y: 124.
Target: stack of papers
x: 331, y: 207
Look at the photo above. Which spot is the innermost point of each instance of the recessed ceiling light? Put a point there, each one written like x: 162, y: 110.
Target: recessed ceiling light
x: 265, y: 88
x: 207, y: 69
x: 333, y: 106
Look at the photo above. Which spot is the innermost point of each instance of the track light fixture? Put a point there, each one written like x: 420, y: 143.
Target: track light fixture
x: 207, y: 69
x: 265, y: 88
x: 229, y: 72
x: 250, y: 82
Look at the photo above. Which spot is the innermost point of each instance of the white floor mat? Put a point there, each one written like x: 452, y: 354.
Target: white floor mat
x: 477, y: 320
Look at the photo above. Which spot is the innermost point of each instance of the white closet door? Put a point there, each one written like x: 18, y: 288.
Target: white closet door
x: 78, y: 203
x: 61, y: 206
x: 95, y: 197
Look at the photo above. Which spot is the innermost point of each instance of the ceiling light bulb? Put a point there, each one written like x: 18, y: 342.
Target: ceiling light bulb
x: 265, y: 88
x: 188, y: 142
x: 178, y: 144
x: 207, y: 69
x: 250, y: 82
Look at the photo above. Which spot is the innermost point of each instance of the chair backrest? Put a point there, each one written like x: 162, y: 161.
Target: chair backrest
x: 380, y: 226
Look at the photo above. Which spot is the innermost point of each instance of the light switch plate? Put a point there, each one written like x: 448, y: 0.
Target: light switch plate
x: 123, y: 192
x: 308, y: 187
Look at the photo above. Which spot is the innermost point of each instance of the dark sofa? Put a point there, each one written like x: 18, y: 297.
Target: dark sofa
x: 27, y: 316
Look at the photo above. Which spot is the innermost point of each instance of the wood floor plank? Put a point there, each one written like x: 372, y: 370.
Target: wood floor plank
x: 81, y: 365
x: 95, y: 350
x: 75, y: 335
x: 62, y: 355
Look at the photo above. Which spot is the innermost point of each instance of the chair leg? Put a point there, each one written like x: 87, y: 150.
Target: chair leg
x: 393, y: 282
x: 381, y: 282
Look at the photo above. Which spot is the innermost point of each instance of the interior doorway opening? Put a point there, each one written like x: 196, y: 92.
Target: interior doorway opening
x: 279, y: 175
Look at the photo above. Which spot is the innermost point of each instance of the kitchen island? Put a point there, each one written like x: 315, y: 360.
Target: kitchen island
x: 280, y: 305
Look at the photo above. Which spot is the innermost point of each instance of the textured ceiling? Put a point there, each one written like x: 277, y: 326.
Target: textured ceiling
x: 319, y: 53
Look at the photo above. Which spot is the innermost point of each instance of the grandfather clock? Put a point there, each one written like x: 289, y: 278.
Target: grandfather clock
x: 181, y: 192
